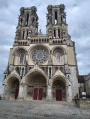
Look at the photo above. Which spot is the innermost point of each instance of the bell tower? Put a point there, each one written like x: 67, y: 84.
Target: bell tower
x: 56, y: 22
x: 27, y: 23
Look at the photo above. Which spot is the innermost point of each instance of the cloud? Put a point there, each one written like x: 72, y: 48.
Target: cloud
x: 78, y: 20
x: 7, y: 33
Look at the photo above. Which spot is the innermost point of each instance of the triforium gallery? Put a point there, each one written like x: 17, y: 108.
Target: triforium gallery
x: 41, y: 67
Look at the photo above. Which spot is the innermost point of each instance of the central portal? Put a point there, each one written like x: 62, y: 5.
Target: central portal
x: 37, y: 86
x: 38, y: 94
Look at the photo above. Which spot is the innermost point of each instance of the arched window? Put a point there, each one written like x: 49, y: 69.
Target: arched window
x: 23, y: 34
x: 55, y: 17
x: 27, y: 19
x: 64, y: 19
x: 58, y: 56
x: 58, y: 33
x: 27, y: 34
x: 22, y: 58
x: 54, y: 33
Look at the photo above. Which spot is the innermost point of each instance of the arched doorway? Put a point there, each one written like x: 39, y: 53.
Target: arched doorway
x: 13, y: 86
x: 36, y: 86
x: 59, y: 89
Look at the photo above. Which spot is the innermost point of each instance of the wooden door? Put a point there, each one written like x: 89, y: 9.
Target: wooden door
x: 58, y: 95
x: 40, y: 96
x: 35, y: 95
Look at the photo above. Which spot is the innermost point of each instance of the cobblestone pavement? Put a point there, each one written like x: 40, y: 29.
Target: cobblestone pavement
x: 12, y: 109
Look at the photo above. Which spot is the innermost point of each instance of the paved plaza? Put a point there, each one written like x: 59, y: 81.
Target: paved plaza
x: 15, y: 109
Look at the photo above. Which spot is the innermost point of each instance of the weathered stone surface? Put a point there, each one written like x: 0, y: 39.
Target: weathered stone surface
x: 85, y: 104
x: 12, y: 109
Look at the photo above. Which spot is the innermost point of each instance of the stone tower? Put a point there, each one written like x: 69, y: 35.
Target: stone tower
x: 41, y: 67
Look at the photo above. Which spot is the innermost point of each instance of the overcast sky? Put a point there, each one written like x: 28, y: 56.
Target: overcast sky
x: 78, y: 20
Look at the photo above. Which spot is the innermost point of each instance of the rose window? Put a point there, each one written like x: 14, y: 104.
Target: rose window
x: 39, y: 56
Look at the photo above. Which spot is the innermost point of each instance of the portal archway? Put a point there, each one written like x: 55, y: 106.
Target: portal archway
x: 59, y: 89
x: 36, y: 86
x: 13, y: 87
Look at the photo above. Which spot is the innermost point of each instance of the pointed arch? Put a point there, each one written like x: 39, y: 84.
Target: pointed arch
x: 36, y: 82
x: 58, y: 74
x: 12, y: 85
x: 59, y: 47
x: 59, y: 84
x: 38, y: 46
x: 17, y: 55
x: 35, y: 70
x: 11, y: 76
x: 17, y: 50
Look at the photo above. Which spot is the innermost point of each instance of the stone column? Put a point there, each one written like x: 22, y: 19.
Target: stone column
x: 26, y: 57
x: 21, y: 89
x: 24, y: 71
x: 7, y: 92
x: 3, y: 92
x: 49, y: 92
x: 25, y: 34
x: 25, y: 92
x: 69, y: 98
x: 56, y: 33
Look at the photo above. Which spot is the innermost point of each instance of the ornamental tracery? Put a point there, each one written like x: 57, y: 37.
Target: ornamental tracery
x: 39, y: 55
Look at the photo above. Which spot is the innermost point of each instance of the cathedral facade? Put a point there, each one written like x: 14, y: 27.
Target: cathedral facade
x: 41, y: 67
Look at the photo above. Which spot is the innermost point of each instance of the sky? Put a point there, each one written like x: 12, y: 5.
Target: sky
x: 78, y: 20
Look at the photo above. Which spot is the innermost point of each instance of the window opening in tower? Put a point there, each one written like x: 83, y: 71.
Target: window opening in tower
x: 27, y: 19
x: 54, y: 33
x: 58, y: 33
x: 55, y: 17
x: 23, y: 34
x: 27, y: 33
x: 61, y: 20
x: 64, y: 19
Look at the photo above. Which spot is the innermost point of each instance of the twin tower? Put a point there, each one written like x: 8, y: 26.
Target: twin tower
x: 28, y: 22
x: 41, y: 67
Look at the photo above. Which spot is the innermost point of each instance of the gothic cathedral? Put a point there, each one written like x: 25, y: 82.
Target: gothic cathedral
x: 41, y: 67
